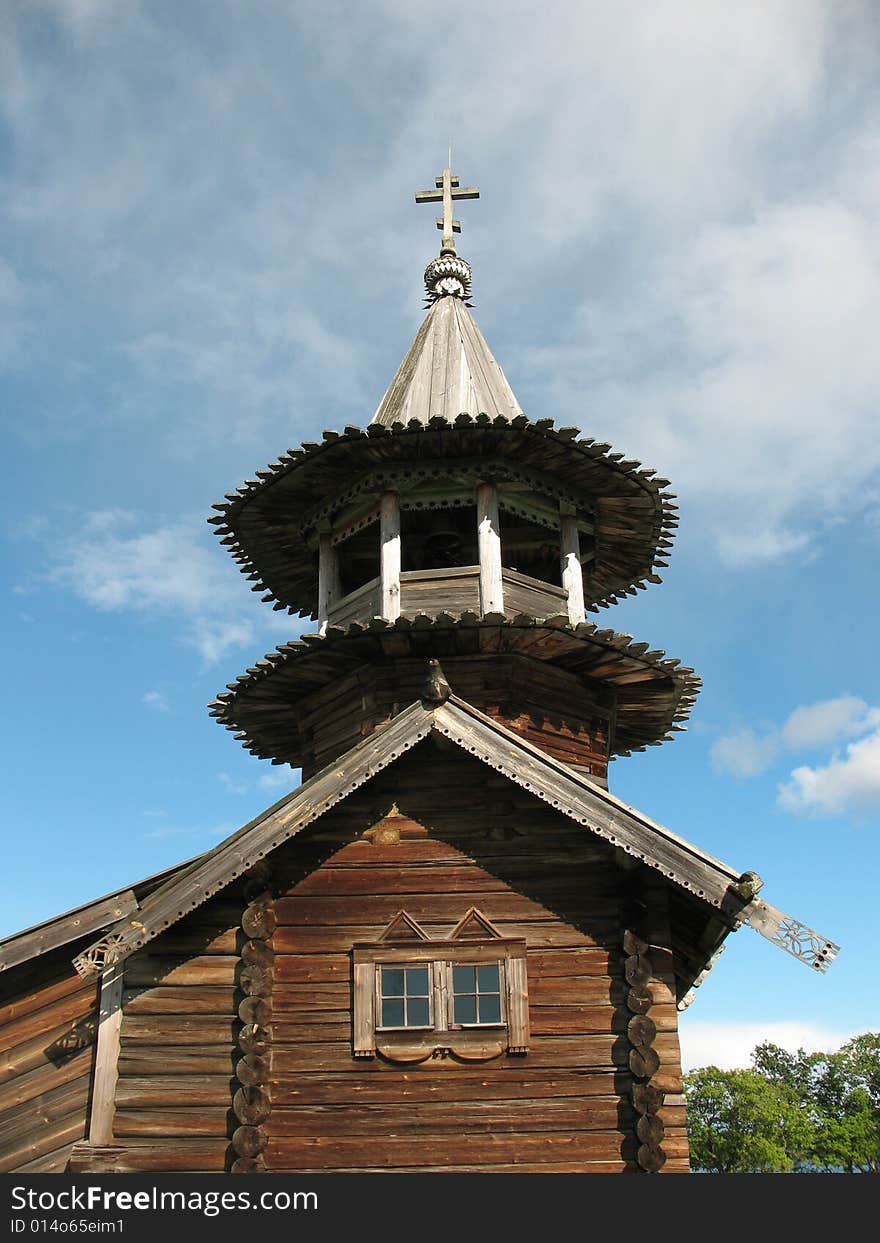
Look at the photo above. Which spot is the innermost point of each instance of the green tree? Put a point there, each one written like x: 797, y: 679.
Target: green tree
x: 791, y: 1111
x: 741, y: 1123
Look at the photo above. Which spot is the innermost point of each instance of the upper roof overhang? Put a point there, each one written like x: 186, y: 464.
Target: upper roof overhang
x: 653, y: 692
x: 271, y: 523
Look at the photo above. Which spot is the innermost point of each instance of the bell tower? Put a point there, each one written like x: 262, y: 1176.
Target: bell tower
x: 454, y: 528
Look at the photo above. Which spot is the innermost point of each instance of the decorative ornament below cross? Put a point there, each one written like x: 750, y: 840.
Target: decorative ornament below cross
x: 449, y: 275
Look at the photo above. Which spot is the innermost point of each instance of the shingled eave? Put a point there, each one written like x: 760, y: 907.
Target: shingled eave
x: 261, y: 524
x: 641, y: 723
x: 703, y: 877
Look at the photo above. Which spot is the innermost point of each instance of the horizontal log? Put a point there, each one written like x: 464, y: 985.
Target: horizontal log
x: 173, y: 1029
x: 172, y: 1156
x: 36, y: 997
x: 50, y: 1106
x: 177, y: 942
x: 314, y: 1153
x: 510, y: 1083
x: 137, y: 1092
x: 49, y: 1047
x: 302, y: 998
x: 54, y: 1162
x: 459, y: 1117
x: 158, y: 1123
x: 603, y: 1052
x: 141, y: 969
x: 64, y: 1010
x: 338, y: 940
x: 30, y: 1146
x: 43, y: 1078
x: 500, y: 905
x: 207, y: 999
x: 579, y: 961
x: 312, y: 969
x: 141, y: 1060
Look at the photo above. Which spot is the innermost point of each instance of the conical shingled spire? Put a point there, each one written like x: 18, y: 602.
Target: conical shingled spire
x: 449, y: 370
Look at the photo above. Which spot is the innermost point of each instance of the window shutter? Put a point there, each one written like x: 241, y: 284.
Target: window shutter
x: 364, y: 1004
x: 517, y: 1006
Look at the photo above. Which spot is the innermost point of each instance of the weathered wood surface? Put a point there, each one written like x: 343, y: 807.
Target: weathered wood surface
x: 47, y: 1037
x: 269, y: 525
x: 570, y: 1089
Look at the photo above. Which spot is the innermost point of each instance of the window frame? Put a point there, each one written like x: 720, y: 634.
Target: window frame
x: 440, y: 956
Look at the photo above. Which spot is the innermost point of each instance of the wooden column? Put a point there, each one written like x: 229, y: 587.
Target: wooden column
x: 572, y: 574
x: 389, y: 556
x: 107, y: 1055
x: 489, y: 544
x: 328, y: 579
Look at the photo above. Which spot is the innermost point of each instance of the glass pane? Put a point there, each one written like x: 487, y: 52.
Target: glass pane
x: 488, y: 978
x: 490, y: 1009
x: 417, y: 981
x: 464, y: 1009
x: 392, y: 981
x: 417, y: 1012
x: 392, y: 1013
x: 464, y: 980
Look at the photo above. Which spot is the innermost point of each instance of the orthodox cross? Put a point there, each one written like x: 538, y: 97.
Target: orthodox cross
x: 447, y: 190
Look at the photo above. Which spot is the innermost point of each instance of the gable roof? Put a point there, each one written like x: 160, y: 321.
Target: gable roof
x: 728, y: 895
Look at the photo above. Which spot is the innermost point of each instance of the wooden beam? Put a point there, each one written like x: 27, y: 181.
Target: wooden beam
x: 572, y: 574
x: 489, y: 543
x: 106, y: 1057
x: 389, y: 556
x: 329, y: 586
x: 66, y: 928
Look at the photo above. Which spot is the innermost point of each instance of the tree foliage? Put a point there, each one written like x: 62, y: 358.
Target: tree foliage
x: 789, y: 1112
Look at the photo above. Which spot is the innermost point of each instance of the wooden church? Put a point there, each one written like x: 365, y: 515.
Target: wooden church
x: 452, y: 948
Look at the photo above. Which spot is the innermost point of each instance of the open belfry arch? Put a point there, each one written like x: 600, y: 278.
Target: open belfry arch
x: 452, y: 948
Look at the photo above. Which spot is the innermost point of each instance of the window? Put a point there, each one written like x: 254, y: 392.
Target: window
x: 404, y: 998
x: 476, y: 994
x: 463, y: 996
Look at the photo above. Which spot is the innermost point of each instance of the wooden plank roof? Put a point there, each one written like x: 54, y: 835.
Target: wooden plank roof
x: 72, y: 925
x: 654, y: 692
x: 727, y: 896
x: 448, y: 369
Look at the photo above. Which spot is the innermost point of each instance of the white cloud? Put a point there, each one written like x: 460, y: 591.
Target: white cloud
x: 828, y: 721
x: 847, y: 784
x: 729, y: 1045
x: 156, y: 700
x: 281, y: 777
x: 172, y: 570
x: 744, y: 753
x: 231, y: 785
x: 841, y: 785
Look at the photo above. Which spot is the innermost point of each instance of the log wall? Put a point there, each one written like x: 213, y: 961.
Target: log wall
x: 565, y: 1106
x: 178, y: 1048
x: 48, y: 1020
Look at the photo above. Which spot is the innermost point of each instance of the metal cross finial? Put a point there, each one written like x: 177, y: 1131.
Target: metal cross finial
x: 447, y: 190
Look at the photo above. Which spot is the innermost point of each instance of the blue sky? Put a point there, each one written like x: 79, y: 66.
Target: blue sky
x: 210, y: 252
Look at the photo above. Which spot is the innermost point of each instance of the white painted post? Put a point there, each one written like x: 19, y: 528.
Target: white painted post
x: 489, y: 544
x: 389, y: 556
x: 572, y: 574
x: 329, y: 586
